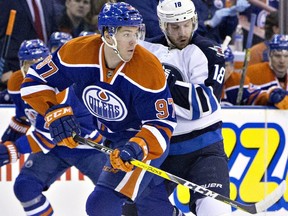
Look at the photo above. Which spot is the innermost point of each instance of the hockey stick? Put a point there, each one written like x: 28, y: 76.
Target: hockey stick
x: 253, y: 208
x: 8, y: 34
x: 226, y: 43
x: 246, y: 59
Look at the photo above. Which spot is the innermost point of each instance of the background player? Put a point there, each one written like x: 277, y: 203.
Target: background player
x: 124, y: 87
x: 47, y: 161
x: 57, y: 39
x: 231, y: 84
x: 272, y: 76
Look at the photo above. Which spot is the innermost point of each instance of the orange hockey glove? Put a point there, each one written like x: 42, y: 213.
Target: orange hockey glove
x: 278, y: 97
x: 118, y: 163
x: 62, y: 124
x: 119, y: 159
x: 283, y: 104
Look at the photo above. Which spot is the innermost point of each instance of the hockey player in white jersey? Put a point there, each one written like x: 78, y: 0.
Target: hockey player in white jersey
x: 195, y: 73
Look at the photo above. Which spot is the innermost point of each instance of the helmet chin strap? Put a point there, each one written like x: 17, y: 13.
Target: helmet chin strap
x: 114, y: 46
x: 23, y: 71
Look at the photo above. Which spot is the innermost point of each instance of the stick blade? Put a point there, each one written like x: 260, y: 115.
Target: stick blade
x: 272, y: 198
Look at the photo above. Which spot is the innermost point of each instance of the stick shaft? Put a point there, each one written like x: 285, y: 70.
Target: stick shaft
x: 265, y: 204
x: 246, y: 59
x: 11, y: 22
x: 6, y: 44
x: 9, y: 29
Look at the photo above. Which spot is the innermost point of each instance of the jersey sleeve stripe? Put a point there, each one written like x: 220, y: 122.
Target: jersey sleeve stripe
x: 28, y: 90
x: 157, y: 144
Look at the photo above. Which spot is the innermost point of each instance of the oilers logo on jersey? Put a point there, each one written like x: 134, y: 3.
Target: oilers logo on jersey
x: 104, y: 104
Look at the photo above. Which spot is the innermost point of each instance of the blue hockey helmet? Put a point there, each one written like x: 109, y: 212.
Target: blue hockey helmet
x: 84, y: 33
x: 228, y: 55
x: 57, y: 39
x: 278, y: 42
x: 114, y: 15
x: 32, y: 49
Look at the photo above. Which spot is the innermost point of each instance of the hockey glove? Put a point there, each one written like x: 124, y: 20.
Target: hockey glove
x: 62, y: 124
x: 279, y: 97
x: 8, y: 153
x: 16, y: 129
x: 119, y: 159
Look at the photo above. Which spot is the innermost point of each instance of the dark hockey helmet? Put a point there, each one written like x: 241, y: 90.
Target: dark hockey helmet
x: 279, y: 42
x: 57, y: 39
x: 85, y: 33
x: 32, y: 49
x: 114, y: 15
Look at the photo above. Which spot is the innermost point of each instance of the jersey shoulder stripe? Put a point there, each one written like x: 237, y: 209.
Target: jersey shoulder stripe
x: 14, y: 82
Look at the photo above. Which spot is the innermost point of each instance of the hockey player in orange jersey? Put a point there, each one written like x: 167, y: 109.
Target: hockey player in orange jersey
x: 47, y: 161
x: 252, y: 94
x: 124, y: 87
x: 272, y: 76
x: 231, y: 84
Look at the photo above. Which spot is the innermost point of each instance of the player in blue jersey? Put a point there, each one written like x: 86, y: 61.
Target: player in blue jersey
x: 195, y: 72
x: 47, y: 161
x: 124, y: 88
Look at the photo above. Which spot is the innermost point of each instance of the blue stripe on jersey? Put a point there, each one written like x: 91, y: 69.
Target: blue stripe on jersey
x: 195, y: 105
x: 212, y: 98
x: 204, y: 99
x: 195, y: 144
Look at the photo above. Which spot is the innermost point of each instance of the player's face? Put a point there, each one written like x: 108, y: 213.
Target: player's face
x: 279, y: 62
x: 78, y: 8
x: 180, y: 33
x: 127, y: 39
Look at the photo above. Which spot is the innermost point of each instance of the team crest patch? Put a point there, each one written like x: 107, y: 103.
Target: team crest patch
x: 218, y: 50
x: 28, y: 163
x: 104, y: 104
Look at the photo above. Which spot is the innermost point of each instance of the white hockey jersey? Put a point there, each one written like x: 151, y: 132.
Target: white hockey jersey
x: 197, y: 108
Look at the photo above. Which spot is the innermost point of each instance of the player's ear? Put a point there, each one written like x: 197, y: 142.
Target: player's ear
x: 108, y: 38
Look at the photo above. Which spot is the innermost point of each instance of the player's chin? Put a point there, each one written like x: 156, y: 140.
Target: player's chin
x: 128, y: 55
x: 181, y: 44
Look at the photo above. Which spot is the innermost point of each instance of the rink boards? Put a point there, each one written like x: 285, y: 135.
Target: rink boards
x: 255, y: 142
